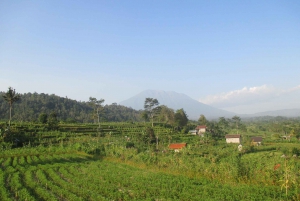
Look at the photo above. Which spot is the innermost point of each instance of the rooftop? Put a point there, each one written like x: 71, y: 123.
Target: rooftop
x: 256, y: 139
x: 199, y: 127
x: 233, y: 136
x: 177, y: 146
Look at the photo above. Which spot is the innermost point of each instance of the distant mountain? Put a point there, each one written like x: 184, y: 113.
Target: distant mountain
x: 275, y: 113
x: 176, y: 101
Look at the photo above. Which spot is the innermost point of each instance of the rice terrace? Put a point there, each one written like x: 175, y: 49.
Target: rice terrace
x: 161, y: 155
x: 149, y: 100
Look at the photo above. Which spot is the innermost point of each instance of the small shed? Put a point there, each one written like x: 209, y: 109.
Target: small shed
x: 256, y: 141
x: 177, y: 146
x: 234, y: 138
x: 193, y: 132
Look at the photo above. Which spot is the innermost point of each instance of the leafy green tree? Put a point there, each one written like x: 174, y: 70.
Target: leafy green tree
x: 71, y: 120
x: 181, y: 118
x: 11, y: 97
x: 53, y: 121
x: 151, y: 107
x: 237, y: 121
x: 149, y: 136
x: 43, y: 118
x: 202, y: 120
x: 166, y: 115
x: 144, y: 116
x: 223, y: 124
x: 214, y: 129
x: 97, y: 106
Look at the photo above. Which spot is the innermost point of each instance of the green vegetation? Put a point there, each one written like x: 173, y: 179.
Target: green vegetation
x: 151, y: 108
x: 51, y: 159
x: 11, y: 97
x: 126, y: 163
x: 31, y: 105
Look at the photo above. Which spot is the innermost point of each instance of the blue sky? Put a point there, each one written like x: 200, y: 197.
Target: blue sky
x: 242, y: 56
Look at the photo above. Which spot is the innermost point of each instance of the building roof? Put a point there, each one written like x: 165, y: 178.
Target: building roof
x: 199, y: 127
x: 256, y: 139
x: 233, y: 136
x: 177, y: 146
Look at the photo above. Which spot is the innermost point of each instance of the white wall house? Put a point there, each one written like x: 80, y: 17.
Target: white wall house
x: 201, y: 130
x: 233, y: 139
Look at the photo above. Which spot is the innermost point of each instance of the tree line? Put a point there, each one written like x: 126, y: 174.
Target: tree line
x: 51, y: 109
x: 28, y: 107
x: 163, y: 114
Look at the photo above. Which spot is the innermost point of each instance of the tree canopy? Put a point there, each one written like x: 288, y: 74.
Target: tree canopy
x: 202, y: 120
x: 151, y: 107
x: 181, y: 118
x: 31, y: 105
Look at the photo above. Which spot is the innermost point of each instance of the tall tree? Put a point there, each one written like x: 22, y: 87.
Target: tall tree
x: 43, y: 118
x: 53, y: 121
x: 181, y: 118
x: 237, y: 121
x: 151, y: 106
x: 202, y: 120
x: 214, y: 129
x: 166, y: 115
x: 144, y: 116
x: 97, y: 106
x: 223, y: 125
x: 11, y: 97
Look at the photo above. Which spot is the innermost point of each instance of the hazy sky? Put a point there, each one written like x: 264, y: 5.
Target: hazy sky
x: 243, y: 56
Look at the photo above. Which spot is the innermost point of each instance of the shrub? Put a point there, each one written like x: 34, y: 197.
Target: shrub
x: 129, y: 145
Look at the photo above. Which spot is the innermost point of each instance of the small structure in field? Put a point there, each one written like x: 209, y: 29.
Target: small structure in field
x: 201, y: 130
x: 234, y: 138
x: 193, y: 132
x: 256, y: 141
x: 177, y: 146
x: 240, y: 147
x: 286, y: 137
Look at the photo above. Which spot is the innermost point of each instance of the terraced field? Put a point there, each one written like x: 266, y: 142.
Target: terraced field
x: 77, y: 163
x: 78, y: 176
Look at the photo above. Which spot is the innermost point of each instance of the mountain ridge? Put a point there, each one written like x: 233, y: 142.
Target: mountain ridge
x: 176, y: 101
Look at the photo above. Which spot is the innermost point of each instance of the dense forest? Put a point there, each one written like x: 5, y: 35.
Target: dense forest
x: 31, y: 105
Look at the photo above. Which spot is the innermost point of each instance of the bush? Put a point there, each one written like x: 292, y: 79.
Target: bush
x: 295, y: 151
x: 129, y: 145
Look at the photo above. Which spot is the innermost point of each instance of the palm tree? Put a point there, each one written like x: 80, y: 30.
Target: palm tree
x: 10, y: 96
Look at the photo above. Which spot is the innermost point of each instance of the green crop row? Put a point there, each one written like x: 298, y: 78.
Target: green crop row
x: 71, y: 176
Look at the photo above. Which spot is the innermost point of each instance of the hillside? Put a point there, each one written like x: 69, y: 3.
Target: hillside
x: 176, y: 101
x: 32, y: 105
x: 284, y: 113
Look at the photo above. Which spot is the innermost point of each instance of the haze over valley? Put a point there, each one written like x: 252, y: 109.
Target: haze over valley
x: 195, y: 108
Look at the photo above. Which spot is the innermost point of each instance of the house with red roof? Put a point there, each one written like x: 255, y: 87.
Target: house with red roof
x: 177, y: 146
